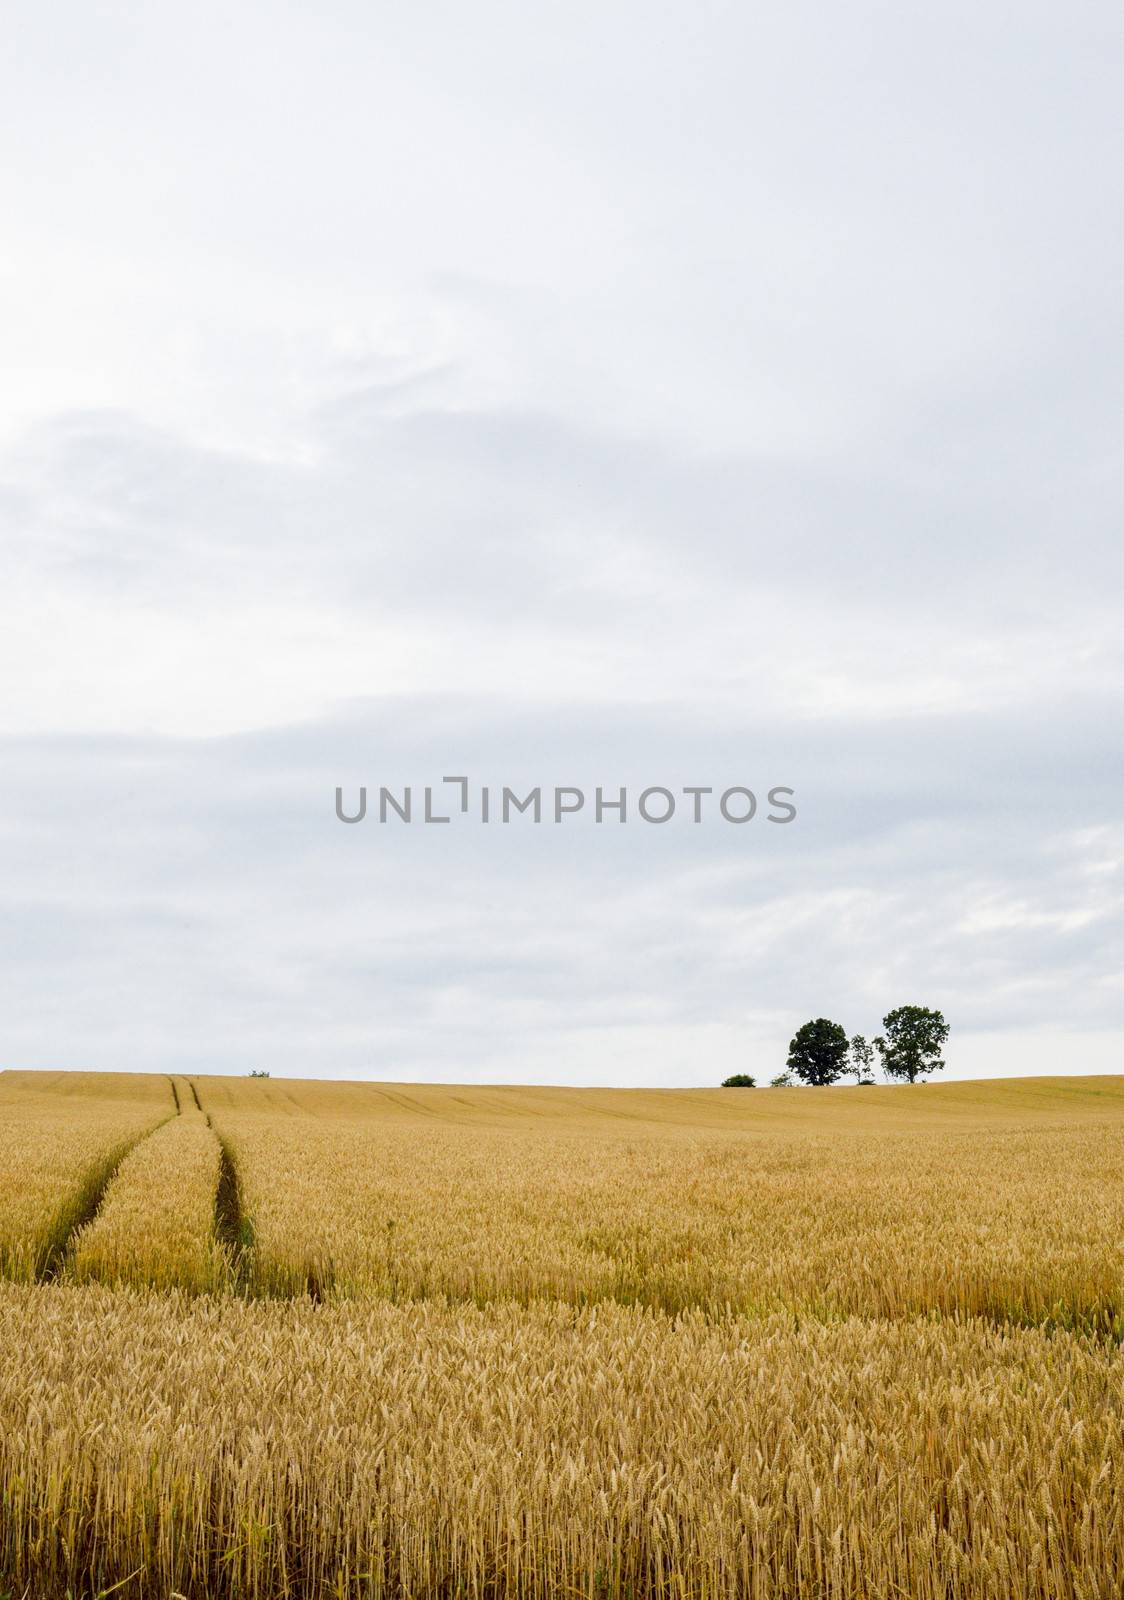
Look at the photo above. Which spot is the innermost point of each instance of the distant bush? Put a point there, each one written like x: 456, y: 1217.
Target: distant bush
x: 254, y: 1073
x: 740, y: 1080
x: 783, y: 1080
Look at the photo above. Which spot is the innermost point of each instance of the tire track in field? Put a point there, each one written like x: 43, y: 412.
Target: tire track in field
x: 90, y: 1200
x: 236, y: 1229
x: 232, y: 1226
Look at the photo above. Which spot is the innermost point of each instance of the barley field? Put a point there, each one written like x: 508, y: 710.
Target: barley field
x: 270, y: 1338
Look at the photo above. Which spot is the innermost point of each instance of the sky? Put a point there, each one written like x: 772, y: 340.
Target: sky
x: 619, y: 395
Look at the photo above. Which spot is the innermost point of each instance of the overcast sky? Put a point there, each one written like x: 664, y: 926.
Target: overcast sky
x: 603, y: 394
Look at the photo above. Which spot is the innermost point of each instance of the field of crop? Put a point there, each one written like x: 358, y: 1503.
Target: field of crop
x: 61, y: 1137
x: 268, y: 1338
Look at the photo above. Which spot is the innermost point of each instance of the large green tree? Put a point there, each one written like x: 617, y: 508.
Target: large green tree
x: 818, y: 1052
x: 911, y: 1045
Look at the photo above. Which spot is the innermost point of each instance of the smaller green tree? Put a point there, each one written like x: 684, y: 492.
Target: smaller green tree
x: 783, y: 1080
x: 818, y: 1052
x: 912, y: 1042
x: 740, y: 1080
x: 861, y: 1059
x: 256, y: 1072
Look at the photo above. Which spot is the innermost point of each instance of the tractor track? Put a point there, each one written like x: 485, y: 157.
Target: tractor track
x: 232, y: 1228
x: 89, y: 1203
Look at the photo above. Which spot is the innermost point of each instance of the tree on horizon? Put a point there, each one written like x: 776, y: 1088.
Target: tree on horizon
x: 861, y: 1059
x: 912, y: 1042
x: 817, y: 1053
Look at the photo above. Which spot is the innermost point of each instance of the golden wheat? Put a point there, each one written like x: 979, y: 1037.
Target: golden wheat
x: 61, y: 1135
x: 1014, y: 1215
x: 221, y: 1447
x: 724, y: 1344
x: 156, y: 1224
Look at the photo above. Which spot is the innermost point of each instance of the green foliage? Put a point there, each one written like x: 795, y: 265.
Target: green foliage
x: 818, y: 1052
x: 861, y: 1053
x: 258, y: 1073
x: 912, y: 1042
x: 740, y: 1080
x: 783, y: 1080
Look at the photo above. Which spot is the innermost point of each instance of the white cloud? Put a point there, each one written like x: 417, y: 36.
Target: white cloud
x: 628, y: 395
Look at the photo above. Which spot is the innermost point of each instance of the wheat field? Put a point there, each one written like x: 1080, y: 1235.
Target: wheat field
x: 61, y: 1138
x: 295, y: 1339
x: 155, y: 1225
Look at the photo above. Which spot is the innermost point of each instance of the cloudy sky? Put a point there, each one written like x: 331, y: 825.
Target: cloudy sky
x: 559, y: 395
